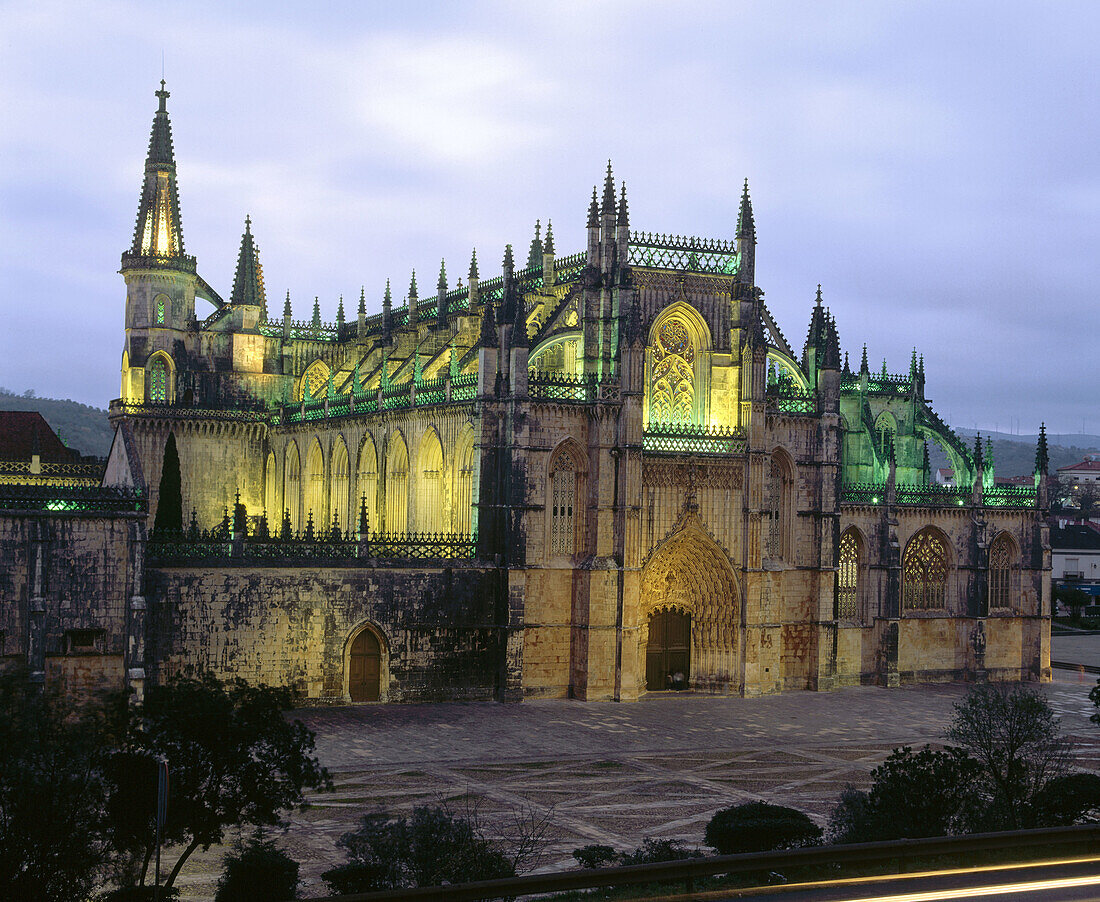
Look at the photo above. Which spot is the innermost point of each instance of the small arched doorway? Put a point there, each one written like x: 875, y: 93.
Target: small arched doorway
x: 365, y: 667
x: 668, y: 651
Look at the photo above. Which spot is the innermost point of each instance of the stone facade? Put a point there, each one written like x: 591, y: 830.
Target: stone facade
x: 592, y: 476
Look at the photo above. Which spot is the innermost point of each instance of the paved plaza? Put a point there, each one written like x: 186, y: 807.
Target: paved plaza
x: 617, y: 773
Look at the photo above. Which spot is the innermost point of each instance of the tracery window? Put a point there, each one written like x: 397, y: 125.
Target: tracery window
x: 464, y: 484
x: 848, y: 577
x: 429, y: 490
x: 397, y: 486
x: 366, y: 485
x: 158, y: 381
x: 314, y: 382
x: 340, y: 513
x: 777, y: 503
x: 292, y: 485
x: 563, y: 495
x: 1001, y: 555
x: 924, y: 572
x: 160, y: 308
x: 672, y: 389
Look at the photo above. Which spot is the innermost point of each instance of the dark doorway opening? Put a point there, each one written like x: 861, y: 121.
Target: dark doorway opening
x: 668, y: 652
x: 365, y: 676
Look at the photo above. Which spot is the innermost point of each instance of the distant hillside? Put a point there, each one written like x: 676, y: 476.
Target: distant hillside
x: 81, y: 427
x: 1014, y: 455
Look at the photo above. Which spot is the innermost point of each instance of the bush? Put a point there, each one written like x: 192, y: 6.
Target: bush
x: 432, y: 848
x: 260, y: 872
x: 595, y: 856
x: 653, y: 851
x: 140, y: 894
x: 760, y: 827
x: 1072, y: 799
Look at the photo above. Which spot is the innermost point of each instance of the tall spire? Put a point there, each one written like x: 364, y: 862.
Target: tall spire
x: 534, y: 255
x: 594, y: 211
x: 746, y: 225
x: 248, y: 283
x: 608, y: 208
x: 158, y: 231
x: 1042, y: 456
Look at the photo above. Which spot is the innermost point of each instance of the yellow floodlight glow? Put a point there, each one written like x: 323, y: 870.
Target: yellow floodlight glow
x: 977, y: 892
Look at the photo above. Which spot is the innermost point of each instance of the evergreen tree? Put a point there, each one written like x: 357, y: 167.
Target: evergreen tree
x: 170, y: 498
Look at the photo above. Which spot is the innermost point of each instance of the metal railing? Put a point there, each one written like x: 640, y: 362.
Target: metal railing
x: 687, y: 871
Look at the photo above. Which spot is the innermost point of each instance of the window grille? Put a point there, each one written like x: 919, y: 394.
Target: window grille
x: 848, y: 578
x: 1000, y: 572
x: 924, y: 573
x: 563, y: 485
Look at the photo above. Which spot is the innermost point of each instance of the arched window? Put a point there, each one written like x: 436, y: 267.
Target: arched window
x: 340, y: 513
x: 159, y: 381
x: 430, y: 514
x: 161, y: 303
x: 886, y: 433
x: 292, y: 471
x: 778, y: 486
x: 1002, y: 555
x: 924, y: 572
x: 314, y: 381
x: 847, y: 578
x: 397, y: 486
x: 366, y: 484
x: 270, y: 500
x: 315, y: 486
x: 464, y: 484
x: 566, y: 514
x: 672, y: 384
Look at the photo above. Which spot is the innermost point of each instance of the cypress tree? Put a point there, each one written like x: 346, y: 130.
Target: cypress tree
x: 170, y: 499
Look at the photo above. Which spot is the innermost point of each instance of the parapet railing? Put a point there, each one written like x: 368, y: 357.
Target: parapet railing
x: 839, y: 859
x: 70, y: 498
x: 561, y: 387
x: 686, y: 438
x: 873, y: 493
x: 790, y: 399
x: 223, y: 544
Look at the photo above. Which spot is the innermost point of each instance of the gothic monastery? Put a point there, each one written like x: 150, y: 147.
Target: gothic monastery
x: 592, y: 476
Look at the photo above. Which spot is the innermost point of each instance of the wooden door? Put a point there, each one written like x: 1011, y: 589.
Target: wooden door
x: 668, y: 652
x: 365, y: 676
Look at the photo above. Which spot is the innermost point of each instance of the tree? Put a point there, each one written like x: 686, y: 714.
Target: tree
x: 170, y: 497
x: 1013, y: 734
x: 1072, y: 598
x: 760, y: 827
x: 233, y: 758
x: 53, y: 844
x: 913, y: 794
x: 1069, y: 799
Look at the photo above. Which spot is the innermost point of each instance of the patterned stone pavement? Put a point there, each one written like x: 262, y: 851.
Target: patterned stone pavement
x: 616, y: 774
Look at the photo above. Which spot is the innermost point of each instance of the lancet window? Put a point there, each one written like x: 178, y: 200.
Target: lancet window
x: 777, y: 506
x: 1001, y: 555
x: 158, y: 381
x: 340, y: 487
x: 397, y: 486
x: 563, y: 506
x: 672, y: 385
x: 847, y: 595
x: 429, y: 491
x: 924, y: 572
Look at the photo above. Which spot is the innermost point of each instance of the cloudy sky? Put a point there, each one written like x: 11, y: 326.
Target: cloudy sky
x: 934, y: 165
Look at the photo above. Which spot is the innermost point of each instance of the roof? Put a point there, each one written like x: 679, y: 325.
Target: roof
x: 1087, y: 464
x: 24, y: 433
x: 1074, y: 537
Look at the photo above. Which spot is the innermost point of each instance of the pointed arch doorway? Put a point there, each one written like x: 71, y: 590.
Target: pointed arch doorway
x: 668, y: 651
x: 365, y: 667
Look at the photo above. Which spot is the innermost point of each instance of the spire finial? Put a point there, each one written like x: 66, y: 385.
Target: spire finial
x: 442, y: 283
x: 362, y: 300
x: 248, y: 281
x: 287, y: 313
x: 818, y: 294
x: 534, y: 255
x: 1042, y: 456
x: 162, y: 95
x: 473, y: 265
x: 412, y: 288
x: 509, y: 265
x: 594, y: 211
x: 624, y: 214
x: 863, y: 366
x: 548, y: 247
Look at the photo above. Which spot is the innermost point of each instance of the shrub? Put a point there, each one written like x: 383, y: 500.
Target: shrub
x: 140, y: 894
x: 1071, y: 799
x: 595, y: 856
x: 260, y: 872
x: 760, y: 827
x: 431, y: 848
x: 653, y: 851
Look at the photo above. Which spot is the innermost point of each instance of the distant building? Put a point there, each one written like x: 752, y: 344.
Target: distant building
x: 1075, y: 555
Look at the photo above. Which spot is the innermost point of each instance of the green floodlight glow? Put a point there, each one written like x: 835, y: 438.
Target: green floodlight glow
x: 58, y: 505
x: 874, y: 500
x: 960, y: 502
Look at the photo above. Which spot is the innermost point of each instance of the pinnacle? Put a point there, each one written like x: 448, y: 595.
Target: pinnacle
x: 818, y: 294
x: 362, y: 299
x: 442, y: 283
x: 593, y: 211
x: 624, y: 214
x: 534, y: 255
x: 412, y: 287
x: 746, y: 225
x: 473, y: 265
x: 548, y: 247
x: 387, y: 298
x: 248, y: 281
x: 286, y: 306
x: 608, y: 208
x: 509, y: 265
